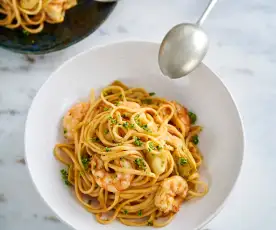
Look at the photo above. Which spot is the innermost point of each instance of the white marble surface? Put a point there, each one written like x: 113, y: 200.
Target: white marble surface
x: 242, y: 52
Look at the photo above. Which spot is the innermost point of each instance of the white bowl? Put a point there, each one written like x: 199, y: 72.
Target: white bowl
x: 134, y: 63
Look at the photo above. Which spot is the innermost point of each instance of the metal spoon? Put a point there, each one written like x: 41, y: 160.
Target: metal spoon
x: 184, y: 47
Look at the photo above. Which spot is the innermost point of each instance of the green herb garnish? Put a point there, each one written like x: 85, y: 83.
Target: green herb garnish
x: 116, y: 103
x: 106, y: 131
x: 192, y: 116
x: 136, y: 118
x: 106, y: 109
x: 64, y: 131
x: 140, y: 163
x: 195, y: 139
x: 147, y: 101
x: 137, y: 141
x: 151, y: 147
x: 106, y: 93
x: 152, y: 93
x: 25, y: 32
x: 85, y: 162
x: 126, y: 125
x: 95, y: 139
x: 140, y: 213
x: 107, y: 149
x: 125, y: 212
x: 159, y: 148
x: 182, y: 161
x: 113, y: 120
x: 64, y: 175
x: 145, y: 127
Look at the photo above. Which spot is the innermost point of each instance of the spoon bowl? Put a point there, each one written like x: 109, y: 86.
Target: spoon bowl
x: 182, y: 49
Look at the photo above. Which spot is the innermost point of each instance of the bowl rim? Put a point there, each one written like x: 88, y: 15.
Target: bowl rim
x: 112, y: 43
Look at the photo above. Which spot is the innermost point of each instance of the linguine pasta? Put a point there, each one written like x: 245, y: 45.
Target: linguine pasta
x: 31, y: 15
x: 131, y: 156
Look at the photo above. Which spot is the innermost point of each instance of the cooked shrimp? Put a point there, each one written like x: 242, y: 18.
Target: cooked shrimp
x: 131, y: 104
x: 72, y: 118
x: 112, y: 182
x: 28, y: 5
x: 170, y: 194
x: 182, y: 114
x: 55, y: 11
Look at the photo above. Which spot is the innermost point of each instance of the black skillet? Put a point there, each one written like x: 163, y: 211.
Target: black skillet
x: 79, y: 22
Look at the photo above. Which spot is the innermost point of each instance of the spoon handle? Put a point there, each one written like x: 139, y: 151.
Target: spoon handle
x: 206, y: 12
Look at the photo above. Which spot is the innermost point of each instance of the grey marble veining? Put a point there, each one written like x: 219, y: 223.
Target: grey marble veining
x: 242, y: 52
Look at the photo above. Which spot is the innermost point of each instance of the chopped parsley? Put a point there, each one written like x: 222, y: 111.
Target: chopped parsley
x: 125, y: 212
x: 140, y: 213
x: 136, y: 118
x: 140, y: 163
x: 193, y: 117
x: 64, y: 131
x: 85, y: 162
x: 120, y: 96
x: 159, y: 148
x: 126, y: 125
x: 137, y: 141
x: 25, y: 32
x: 195, y: 139
x: 147, y: 101
x: 106, y: 131
x: 107, y: 149
x: 182, y: 161
x: 145, y: 127
x: 64, y: 175
x: 151, y: 146
x: 152, y: 93
x: 113, y: 120
x: 106, y: 109
x: 150, y: 223
x: 106, y: 93
x: 116, y: 103
x: 95, y: 139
